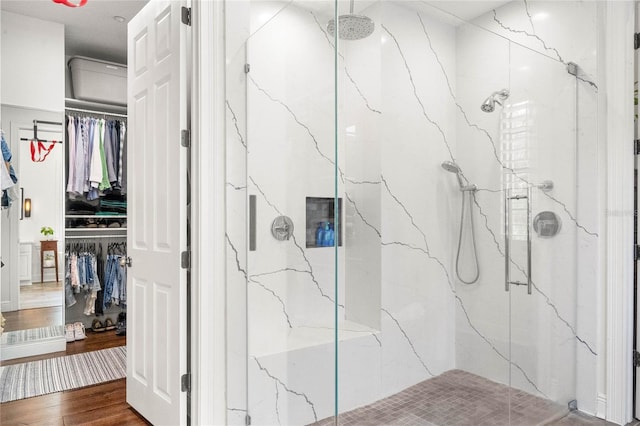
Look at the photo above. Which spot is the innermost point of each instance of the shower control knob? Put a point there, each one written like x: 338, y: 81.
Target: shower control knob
x: 282, y: 228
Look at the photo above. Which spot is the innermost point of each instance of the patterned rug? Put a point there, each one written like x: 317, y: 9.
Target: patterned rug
x: 37, y: 378
x: 21, y: 336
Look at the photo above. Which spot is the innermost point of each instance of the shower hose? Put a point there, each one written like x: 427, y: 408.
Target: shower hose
x: 473, y: 239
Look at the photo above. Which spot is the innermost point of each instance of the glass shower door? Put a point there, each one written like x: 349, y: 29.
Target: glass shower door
x: 548, y: 139
x: 281, y: 229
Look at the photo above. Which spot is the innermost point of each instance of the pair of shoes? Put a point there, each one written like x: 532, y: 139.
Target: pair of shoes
x: 121, y: 326
x: 68, y: 333
x: 109, y: 325
x: 74, y: 331
x: 97, y: 326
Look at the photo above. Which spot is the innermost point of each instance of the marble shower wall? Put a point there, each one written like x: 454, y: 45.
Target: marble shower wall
x: 552, y: 115
x: 408, y: 99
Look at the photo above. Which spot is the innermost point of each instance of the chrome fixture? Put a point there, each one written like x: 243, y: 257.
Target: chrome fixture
x: 507, y: 239
x: 452, y: 167
x: 545, y: 185
x: 489, y: 104
x: 351, y: 27
x: 547, y: 224
x: 282, y: 228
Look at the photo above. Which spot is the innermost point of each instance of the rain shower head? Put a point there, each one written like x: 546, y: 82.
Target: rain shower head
x: 489, y: 104
x: 351, y: 27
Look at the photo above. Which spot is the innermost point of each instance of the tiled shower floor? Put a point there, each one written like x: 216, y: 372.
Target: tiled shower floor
x: 460, y: 398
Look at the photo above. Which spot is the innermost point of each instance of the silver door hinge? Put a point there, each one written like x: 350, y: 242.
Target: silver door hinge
x: 636, y: 252
x: 185, y: 382
x: 636, y: 41
x: 636, y: 146
x: 636, y: 359
x: 247, y: 420
x: 185, y: 138
x: 247, y: 68
x: 185, y: 259
x: 186, y: 15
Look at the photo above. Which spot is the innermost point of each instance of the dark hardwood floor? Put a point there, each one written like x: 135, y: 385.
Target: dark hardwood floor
x: 103, y: 404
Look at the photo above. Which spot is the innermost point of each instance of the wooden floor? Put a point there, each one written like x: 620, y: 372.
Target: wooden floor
x: 103, y: 404
x: 25, y: 319
x: 41, y: 295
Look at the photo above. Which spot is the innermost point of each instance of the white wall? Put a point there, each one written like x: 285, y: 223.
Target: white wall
x: 32, y: 63
x: 32, y: 79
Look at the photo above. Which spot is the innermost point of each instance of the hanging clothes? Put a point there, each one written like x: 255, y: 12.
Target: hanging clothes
x: 97, y: 156
x: 82, y: 275
x: 115, y: 281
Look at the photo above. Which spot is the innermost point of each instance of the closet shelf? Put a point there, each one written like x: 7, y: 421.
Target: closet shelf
x: 94, y: 229
x: 93, y: 216
x: 95, y: 107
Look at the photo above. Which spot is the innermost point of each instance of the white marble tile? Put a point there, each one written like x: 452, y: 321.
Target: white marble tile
x: 409, y: 98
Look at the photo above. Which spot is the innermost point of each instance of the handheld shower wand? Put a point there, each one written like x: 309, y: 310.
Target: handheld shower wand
x: 464, y: 189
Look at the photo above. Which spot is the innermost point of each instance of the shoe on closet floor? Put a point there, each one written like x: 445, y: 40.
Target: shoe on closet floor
x: 69, y: 333
x: 97, y: 326
x: 78, y: 331
x: 121, y: 329
x: 109, y: 325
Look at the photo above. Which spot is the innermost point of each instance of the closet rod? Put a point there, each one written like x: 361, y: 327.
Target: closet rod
x: 112, y: 114
x: 91, y: 237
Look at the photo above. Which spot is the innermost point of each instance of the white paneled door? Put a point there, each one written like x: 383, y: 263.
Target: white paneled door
x: 156, y: 237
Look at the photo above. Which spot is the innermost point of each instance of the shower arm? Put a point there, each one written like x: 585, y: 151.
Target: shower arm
x: 351, y: 8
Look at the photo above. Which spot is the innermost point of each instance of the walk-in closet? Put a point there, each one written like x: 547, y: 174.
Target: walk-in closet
x: 95, y: 209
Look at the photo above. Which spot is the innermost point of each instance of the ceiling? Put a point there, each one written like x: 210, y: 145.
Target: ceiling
x: 89, y: 30
x: 92, y: 31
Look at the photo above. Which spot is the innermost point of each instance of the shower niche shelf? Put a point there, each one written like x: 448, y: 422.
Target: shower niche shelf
x: 320, y: 214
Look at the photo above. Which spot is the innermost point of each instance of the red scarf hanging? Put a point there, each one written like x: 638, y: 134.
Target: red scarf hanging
x: 39, y: 155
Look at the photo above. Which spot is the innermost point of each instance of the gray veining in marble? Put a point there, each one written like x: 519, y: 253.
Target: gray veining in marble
x: 415, y: 93
x: 548, y: 300
x: 528, y: 34
x: 286, y: 388
x: 404, y: 333
x: 278, y: 298
x: 235, y: 123
x: 240, y: 268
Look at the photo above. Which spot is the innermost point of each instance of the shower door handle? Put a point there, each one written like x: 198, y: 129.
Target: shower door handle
x: 507, y: 239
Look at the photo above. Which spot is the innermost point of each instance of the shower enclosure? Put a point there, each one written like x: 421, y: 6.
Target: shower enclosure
x: 347, y: 137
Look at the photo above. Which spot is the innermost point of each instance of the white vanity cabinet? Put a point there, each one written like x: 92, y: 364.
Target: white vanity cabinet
x: 26, y: 253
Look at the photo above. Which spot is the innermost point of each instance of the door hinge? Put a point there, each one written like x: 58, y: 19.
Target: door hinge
x: 185, y: 138
x: 636, y: 41
x: 247, y: 68
x: 636, y: 359
x: 636, y: 252
x: 247, y: 420
x: 185, y: 259
x: 186, y: 15
x: 185, y: 382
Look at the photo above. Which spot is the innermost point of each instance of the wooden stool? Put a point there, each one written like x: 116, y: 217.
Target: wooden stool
x: 48, y: 245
